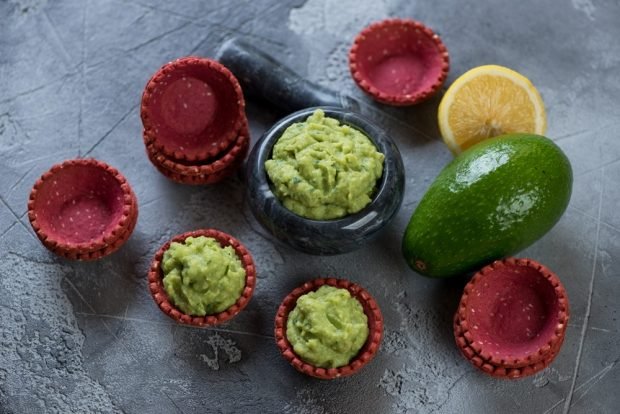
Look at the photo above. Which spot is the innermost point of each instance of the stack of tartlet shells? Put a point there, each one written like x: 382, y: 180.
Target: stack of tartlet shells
x: 210, y: 140
x: 476, y: 350
x: 48, y: 214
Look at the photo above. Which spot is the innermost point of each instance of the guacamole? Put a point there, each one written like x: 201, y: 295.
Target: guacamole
x: 201, y: 277
x: 323, y: 170
x: 327, y: 328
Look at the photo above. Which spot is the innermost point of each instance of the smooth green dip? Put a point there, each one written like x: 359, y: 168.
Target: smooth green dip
x: 327, y: 328
x: 323, y: 170
x: 201, y: 277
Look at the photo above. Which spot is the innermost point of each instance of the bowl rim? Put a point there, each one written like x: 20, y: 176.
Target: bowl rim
x: 159, y: 76
x: 560, y: 319
x: 365, y: 354
x: 161, y: 298
x: 386, y: 146
x: 109, y: 237
x: 398, y: 99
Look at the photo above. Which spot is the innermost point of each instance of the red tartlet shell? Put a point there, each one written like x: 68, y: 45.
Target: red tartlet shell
x: 555, y: 319
x: 199, y: 179
x: 208, y: 167
x: 219, y: 107
x: 156, y: 286
x: 499, y: 371
x: 204, y: 179
x: 386, y: 54
x: 464, y: 341
x: 365, y: 355
x: 98, y: 254
x: 86, y: 183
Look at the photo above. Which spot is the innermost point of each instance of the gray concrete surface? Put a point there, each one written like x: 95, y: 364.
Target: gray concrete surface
x: 86, y: 337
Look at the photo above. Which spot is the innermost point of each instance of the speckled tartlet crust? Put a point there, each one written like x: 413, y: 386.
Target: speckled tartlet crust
x: 500, y: 371
x: 98, y: 254
x: 68, y: 182
x: 365, y: 355
x: 207, y: 167
x: 470, y: 335
x: 206, y: 179
x: 200, y: 179
x: 156, y: 285
x: 235, y: 152
x: 409, y: 40
x: 227, y: 109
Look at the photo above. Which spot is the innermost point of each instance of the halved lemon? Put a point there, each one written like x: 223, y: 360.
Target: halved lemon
x: 488, y: 101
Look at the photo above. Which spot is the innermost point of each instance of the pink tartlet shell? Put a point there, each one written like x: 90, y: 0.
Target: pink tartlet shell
x: 365, y: 355
x: 499, y: 371
x: 208, y: 167
x: 205, y: 179
x: 233, y: 116
x: 471, y: 350
x: 200, y: 179
x: 110, y: 236
x: 554, y: 333
x: 156, y: 286
x: 388, y: 33
x: 98, y: 254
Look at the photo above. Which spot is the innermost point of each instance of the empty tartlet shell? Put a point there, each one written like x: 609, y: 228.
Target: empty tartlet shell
x: 199, y: 179
x: 98, y: 254
x: 227, y: 115
x: 66, y: 182
x: 555, y: 320
x: 499, y: 371
x: 208, y: 167
x: 364, y: 356
x: 205, y: 179
x: 156, y: 285
x: 464, y: 340
x: 420, y: 50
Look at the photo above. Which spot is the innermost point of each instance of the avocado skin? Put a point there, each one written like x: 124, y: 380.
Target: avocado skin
x: 493, y: 200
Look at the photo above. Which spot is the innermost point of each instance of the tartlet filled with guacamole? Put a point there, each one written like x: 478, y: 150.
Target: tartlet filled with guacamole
x: 324, y: 170
x: 203, y: 277
x: 329, y: 328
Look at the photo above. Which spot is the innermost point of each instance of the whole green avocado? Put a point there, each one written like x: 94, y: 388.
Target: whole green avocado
x: 493, y: 200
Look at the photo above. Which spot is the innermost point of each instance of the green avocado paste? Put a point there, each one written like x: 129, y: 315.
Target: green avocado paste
x: 327, y: 328
x: 201, y: 277
x: 323, y: 170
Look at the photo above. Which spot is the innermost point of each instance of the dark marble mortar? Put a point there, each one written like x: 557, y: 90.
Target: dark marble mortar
x: 330, y: 236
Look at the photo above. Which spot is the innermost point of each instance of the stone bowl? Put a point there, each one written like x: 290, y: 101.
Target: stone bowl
x: 325, y: 237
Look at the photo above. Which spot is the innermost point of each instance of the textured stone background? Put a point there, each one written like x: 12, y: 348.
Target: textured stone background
x: 86, y: 337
